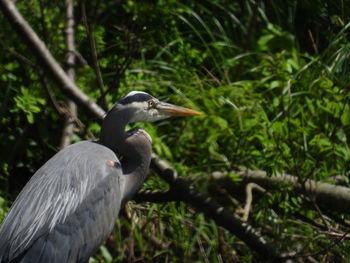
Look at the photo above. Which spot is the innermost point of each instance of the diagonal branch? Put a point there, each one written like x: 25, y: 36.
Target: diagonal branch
x: 207, y: 205
x: 47, y: 61
x: 326, y: 195
x: 156, y: 196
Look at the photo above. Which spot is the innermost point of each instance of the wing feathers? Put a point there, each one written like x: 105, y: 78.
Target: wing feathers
x: 72, y: 199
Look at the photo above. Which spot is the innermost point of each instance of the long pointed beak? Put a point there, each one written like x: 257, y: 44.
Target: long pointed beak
x: 173, y: 110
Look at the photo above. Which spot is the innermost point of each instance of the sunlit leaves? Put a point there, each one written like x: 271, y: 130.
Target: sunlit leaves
x: 29, y: 104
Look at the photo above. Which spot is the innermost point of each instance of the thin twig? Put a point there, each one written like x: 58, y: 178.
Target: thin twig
x: 56, y: 105
x: 116, y: 79
x: 216, y: 79
x: 321, y: 251
x: 314, y: 45
x: 19, y: 56
x: 90, y: 33
x: 249, y: 199
x: 335, y: 234
x: 318, y: 210
x: 60, y: 106
x: 201, y: 248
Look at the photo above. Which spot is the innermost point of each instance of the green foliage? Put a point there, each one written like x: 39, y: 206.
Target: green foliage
x: 3, y: 209
x: 28, y: 103
x: 272, y: 79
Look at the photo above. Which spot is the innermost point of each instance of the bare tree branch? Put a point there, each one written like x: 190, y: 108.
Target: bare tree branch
x: 326, y: 195
x: 46, y: 60
x: 156, y: 196
x: 69, y: 125
x: 212, y: 209
x: 249, y: 199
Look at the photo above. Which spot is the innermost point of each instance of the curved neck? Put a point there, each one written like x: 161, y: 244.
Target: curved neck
x: 134, y: 147
x: 113, y: 133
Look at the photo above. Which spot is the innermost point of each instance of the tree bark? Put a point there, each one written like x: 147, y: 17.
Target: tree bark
x: 329, y: 196
x: 69, y: 124
x: 207, y: 205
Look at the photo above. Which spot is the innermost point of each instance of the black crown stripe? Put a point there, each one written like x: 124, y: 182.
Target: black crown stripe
x: 138, y: 97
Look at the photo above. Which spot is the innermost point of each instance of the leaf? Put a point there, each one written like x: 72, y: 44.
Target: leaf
x: 341, y: 135
x: 345, y: 118
x: 106, y: 255
x: 28, y: 103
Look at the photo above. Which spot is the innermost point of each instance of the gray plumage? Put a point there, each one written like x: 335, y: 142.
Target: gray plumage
x: 70, y: 205
x: 74, y: 191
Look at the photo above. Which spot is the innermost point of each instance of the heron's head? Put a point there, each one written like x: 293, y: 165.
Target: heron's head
x: 146, y: 108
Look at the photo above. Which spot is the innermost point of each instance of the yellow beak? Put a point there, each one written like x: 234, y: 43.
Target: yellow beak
x: 174, y: 110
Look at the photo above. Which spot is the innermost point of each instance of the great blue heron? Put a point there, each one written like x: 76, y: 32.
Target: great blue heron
x: 70, y: 205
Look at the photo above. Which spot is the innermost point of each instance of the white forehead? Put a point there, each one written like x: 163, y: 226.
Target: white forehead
x: 132, y: 93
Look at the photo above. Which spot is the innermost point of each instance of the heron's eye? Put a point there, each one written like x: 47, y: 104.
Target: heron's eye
x: 151, y: 104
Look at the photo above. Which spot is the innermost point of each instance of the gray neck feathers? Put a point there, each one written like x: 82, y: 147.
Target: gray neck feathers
x: 135, y: 148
